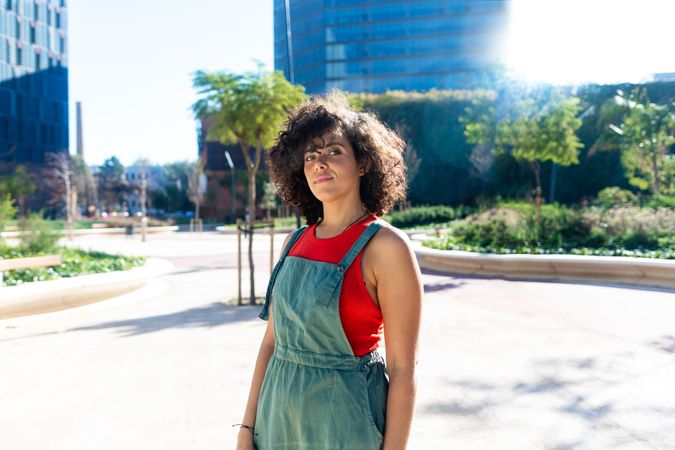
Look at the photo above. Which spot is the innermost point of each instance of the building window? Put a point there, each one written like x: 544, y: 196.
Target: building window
x: 19, y: 56
x: 9, y: 5
x: 62, y: 44
x: 58, y: 20
x: 32, y: 34
x: 37, y: 61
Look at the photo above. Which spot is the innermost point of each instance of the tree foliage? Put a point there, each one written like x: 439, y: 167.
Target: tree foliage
x: 644, y: 139
x: 437, y: 154
x: 84, y: 184
x: 20, y: 185
x: 533, y: 125
x: 111, y: 184
x: 246, y: 109
x: 7, y: 210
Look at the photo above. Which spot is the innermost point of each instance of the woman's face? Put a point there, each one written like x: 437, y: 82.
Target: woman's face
x: 331, y: 168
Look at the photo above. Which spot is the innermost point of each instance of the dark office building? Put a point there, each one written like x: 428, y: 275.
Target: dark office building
x: 378, y: 45
x: 33, y: 80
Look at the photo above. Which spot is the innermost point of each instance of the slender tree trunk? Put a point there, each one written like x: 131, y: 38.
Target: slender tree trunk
x: 69, y: 206
x: 537, y: 199
x: 251, y: 222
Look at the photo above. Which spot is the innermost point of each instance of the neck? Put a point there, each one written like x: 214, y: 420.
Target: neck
x: 338, y: 217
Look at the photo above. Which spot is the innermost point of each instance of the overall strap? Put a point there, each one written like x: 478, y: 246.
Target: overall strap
x: 332, y: 282
x: 264, y: 313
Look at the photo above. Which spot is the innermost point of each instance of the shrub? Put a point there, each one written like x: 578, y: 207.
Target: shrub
x: 516, y: 224
x: 639, y: 238
x: 38, y: 236
x: 493, y: 233
x: 7, y: 210
x: 513, y: 227
x: 425, y: 215
x: 661, y: 201
x: 613, y: 196
x: 624, y: 220
x: 74, y: 262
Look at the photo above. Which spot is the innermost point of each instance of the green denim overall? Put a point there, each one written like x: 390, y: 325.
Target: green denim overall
x: 316, y: 394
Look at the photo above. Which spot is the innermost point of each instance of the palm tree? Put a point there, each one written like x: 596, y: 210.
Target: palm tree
x: 248, y: 110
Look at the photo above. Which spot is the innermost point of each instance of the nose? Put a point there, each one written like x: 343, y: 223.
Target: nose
x: 320, y: 162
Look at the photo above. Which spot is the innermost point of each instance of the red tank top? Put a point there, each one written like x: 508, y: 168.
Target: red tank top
x: 361, y: 318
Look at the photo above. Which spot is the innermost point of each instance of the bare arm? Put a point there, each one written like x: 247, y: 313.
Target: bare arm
x: 245, y: 439
x: 399, y: 292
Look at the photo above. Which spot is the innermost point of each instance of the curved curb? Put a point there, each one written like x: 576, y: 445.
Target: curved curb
x: 54, y: 295
x: 85, y: 232
x: 230, y: 230
x: 614, y: 269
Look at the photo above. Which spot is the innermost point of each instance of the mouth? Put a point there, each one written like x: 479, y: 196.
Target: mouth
x: 322, y: 179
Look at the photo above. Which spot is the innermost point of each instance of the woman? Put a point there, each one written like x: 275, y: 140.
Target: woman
x: 319, y: 382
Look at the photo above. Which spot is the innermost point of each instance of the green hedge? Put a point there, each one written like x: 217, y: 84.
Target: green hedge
x: 450, y: 244
x: 420, y: 216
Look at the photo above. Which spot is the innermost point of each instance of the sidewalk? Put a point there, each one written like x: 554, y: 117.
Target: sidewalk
x: 503, y: 364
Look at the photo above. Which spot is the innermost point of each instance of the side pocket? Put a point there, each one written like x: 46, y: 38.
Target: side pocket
x: 373, y: 398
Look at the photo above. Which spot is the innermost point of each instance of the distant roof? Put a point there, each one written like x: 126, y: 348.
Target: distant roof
x: 663, y: 76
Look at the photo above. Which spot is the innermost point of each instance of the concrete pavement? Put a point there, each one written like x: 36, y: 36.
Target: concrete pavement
x: 503, y: 364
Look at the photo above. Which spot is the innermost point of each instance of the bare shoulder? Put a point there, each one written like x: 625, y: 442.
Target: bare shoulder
x: 290, y: 235
x: 287, y: 239
x: 390, y: 242
x: 389, y: 251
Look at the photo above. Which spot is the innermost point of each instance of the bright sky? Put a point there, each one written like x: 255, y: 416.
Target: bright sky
x: 577, y: 41
x: 130, y: 61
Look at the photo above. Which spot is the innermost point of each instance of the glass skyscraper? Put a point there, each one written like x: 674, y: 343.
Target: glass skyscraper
x: 378, y: 45
x: 33, y: 80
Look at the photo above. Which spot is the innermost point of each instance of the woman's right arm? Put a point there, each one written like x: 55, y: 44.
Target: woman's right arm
x: 245, y: 438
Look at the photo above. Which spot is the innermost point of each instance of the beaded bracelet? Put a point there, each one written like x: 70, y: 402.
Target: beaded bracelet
x: 248, y: 427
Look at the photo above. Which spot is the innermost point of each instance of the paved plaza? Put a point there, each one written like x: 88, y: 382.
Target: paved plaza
x: 503, y: 365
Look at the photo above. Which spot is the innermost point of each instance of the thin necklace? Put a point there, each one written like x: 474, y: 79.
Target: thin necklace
x: 357, y: 219
x: 345, y: 228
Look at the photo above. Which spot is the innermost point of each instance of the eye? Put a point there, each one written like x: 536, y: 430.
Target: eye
x: 335, y: 151
x: 309, y: 157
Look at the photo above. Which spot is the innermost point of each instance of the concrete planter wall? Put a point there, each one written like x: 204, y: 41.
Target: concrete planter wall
x: 54, y: 295
x: 613, y: 269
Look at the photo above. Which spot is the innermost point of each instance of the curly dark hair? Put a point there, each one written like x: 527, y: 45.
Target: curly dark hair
x: 378, y: 149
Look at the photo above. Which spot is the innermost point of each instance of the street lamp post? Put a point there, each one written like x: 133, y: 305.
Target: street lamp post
x: 289, y: 40
x: 234, y: 186
x: 291, y: 72
x: 144, y: 218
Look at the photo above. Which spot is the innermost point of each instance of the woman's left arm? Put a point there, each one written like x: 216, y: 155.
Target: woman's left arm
x: 399, y: 292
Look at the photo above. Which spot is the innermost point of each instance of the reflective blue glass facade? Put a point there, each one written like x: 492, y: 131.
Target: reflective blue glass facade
x: 378, y: 45
x: 33, y: 79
